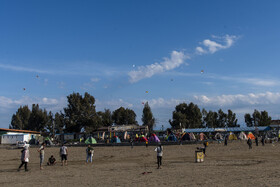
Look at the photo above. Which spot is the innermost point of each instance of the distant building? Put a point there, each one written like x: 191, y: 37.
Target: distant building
x: 12, y: 136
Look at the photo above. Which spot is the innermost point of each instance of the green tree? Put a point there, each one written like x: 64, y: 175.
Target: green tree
x: 186, y: 116
x: 80, y: 113
x: 147, y: 117
x: 50, y: 125
x: 231, y: 119
x: 248, y: 120
x: 106, y: 118
x: 123, y: 116
x: 20, y: 119
x: 38, y: 119
x: 59, y: 122
x: 257, y: 119
x: 222, y: 118
x: 211, y: 119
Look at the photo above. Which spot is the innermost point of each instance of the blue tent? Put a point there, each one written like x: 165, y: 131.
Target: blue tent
x: 116, y: 139
x: 172, y: 138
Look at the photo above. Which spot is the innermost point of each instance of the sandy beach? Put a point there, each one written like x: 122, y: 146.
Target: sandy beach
x: 234, y: 165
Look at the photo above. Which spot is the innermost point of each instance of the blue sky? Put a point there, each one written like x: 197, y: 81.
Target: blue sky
x: 216, y: 54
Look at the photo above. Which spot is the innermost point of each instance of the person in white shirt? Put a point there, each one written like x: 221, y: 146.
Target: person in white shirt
x: 63, y: 154
x: 24, y: 158
x: 41, y: 150
x: 159, y: 151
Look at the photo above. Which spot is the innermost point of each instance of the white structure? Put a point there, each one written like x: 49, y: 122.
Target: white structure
x: 14, y: 138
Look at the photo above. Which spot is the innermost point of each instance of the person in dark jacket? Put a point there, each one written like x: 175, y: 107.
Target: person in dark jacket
x: 257, y: 141
x: 226, y: 139
x: 263, y: 139
x: 249, y: 142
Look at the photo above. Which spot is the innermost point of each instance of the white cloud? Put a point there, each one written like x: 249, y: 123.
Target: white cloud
x: 51, y: 104
x: 211, y: 46
x: 176, y: 59
x: 112, y: 104
x: 94, y: 79
x: 267, y: 98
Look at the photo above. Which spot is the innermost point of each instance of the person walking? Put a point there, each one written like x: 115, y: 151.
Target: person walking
x: 263, y: 139
x: 63, y: 154
x: 159, y: 151
x: 257, y: 141
x: 226, y: 139
x: 249, y: 142
x: 89, y: 152
x: 41, y: 151
x: 24, y: 158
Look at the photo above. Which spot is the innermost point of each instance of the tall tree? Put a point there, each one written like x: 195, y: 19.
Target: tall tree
x: 80, y: 113
x: 106, y: 118
x: 20, y: 119
x: 186, y: 116
x: 257, y: 119
x: 248, y: 120
x: 59, y: 122
x: 38, y: 119
x: 123, y: 116
x: 231, y: 119
x: 211, y: 119
x: 50, y: 126
x: 147, y: 117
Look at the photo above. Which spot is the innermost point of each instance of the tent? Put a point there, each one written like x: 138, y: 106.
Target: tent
x: 202, y: 136
x: 172, y: 138
x: 142, y: 138
x: 154, y: 138
x: 186, y: 136
x: 48, y: 141
x: 90, y: 140
x: 242, y: 136
x: 232, y: 136
x: 251, y: 136
x: 218, y: 136
x: 192, y: 136
x: 116, y: 139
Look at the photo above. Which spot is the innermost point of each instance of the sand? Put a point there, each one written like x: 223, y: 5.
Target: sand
x: 234, y: 165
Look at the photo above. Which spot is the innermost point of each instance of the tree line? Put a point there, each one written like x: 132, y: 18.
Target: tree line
x: 80, y: 115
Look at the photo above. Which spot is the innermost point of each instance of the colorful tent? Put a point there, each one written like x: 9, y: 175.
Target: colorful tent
x: 172, y: 138
x: 154, y: 138
x: 251, y: 136
x: 90, y: 140
x: 186, y: 136
x: 142, y: 138
x: 116, y: 139
x: 242, y: 136
x: 232, y: 136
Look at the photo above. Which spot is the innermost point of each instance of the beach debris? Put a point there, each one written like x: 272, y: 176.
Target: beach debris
x: 24, y: 89
x: 37, y: 76
x: 146, y: 92
x: 171, y: 79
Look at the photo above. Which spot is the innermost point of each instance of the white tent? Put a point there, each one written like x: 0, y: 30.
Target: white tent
x: 242, y: 136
